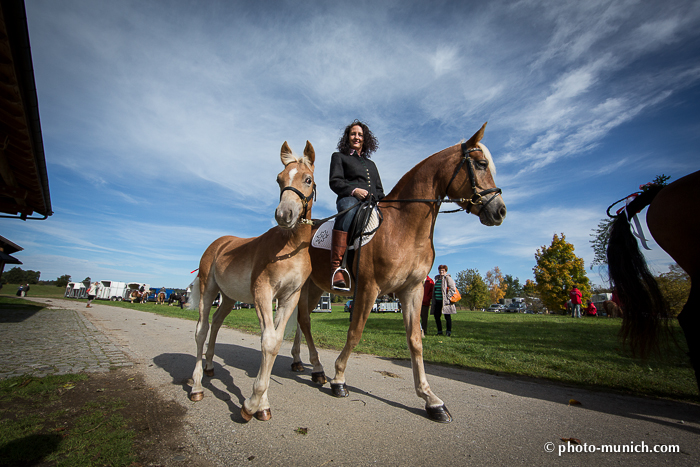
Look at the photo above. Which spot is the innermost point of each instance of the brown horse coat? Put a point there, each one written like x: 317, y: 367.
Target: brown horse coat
x: 401, y: 255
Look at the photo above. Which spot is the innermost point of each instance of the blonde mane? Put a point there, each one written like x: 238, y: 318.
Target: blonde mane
x: 487, y: 154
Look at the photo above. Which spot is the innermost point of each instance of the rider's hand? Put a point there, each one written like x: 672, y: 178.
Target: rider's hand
x: 360, y: 193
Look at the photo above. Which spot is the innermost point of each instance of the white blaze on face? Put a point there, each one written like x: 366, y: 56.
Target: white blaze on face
x: 292, y: 174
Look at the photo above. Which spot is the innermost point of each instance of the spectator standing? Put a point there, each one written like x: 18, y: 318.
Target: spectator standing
x: 575, y: 296
x: 92, y: 293
x: 444, y: 288
x: 428, y: 286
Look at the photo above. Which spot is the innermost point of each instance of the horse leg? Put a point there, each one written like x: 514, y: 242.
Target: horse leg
x: 689, y: 319
x: 435, y: 407
x: 310, y: 295
x: 205, y: 301
x: 272, y: 335
x: 361, y: 310
x: 216, y: 322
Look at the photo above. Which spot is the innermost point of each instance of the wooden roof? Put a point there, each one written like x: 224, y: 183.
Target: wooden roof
x: 24, y: 182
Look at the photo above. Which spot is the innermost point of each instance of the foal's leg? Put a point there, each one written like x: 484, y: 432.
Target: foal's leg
x: 411, y: 301
x: 310, y: 295
x: 205, y: 301
x: 216, y: 322
x: 361, y: 310
x: 271, y: 340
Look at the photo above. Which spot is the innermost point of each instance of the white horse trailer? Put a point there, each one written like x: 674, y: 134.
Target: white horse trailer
x: 75, y: 290
x: 112, y: 290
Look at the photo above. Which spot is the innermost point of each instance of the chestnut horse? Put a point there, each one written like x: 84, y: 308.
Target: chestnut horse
x: 673, y: 219
x: 401, y: 254
x: 259, y: 270
x: 160, y: 298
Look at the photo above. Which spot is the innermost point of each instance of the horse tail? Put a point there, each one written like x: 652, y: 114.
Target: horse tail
x: 645, y: 311
x: 193, y: 299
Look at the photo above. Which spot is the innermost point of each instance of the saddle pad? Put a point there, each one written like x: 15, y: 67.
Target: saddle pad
x: 322, y: 237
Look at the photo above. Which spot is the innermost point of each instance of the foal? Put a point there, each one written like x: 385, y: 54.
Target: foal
x: 259, y: 270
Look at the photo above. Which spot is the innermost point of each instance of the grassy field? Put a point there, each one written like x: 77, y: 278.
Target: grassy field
x: 581, y: 352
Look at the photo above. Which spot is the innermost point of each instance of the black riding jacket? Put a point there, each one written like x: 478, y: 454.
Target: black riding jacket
x: 350, y: 172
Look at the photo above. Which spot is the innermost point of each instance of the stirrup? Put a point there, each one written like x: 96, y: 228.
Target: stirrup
x: 346, y: 273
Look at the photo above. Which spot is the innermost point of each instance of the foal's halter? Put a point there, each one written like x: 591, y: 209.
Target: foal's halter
x: 304, y: 201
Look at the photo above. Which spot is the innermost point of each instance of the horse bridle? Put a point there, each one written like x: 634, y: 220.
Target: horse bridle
x: 477, y: 196
x: 304, y: 201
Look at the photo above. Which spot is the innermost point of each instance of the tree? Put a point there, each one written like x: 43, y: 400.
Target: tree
x: 558, y: 269
x: 600, y: 241
x: 17, y: 275
x: 530, y: 288
x: 514, y: 288
x: 474, y: 292
x: 63, y: 280
x: 675, y: 287
x: 496, y: 284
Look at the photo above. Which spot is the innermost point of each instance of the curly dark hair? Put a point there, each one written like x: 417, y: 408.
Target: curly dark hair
x: 369, y: 144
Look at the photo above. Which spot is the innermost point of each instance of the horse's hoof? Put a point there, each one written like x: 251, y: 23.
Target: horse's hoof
x: 209, y: 373
x: 439, y: 414
x: 246, y: 416
x: 263, y: 415
x: 196, y: 396
x: 297, y: 367
x: 339, y: 389
x: 319, y: 378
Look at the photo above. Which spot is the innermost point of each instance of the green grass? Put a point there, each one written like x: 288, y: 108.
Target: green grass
x: 35, y: 290
x: 35, y: 429
x: 582, y: 352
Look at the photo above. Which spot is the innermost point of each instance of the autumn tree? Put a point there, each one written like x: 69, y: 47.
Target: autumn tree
x: 558, y: 269
x: 675, y: 287
x: 530, y: 288
x: 475, y: 293
x: 496, y: 284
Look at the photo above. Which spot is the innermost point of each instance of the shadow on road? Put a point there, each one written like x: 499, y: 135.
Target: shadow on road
x: 636, y: 408
x: 180, y: 367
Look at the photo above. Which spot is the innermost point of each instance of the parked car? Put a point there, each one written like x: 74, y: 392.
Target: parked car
x: 496, y: 308
x: 515, y: 307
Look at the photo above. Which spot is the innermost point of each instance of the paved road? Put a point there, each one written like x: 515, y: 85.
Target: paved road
x: 498, y: 420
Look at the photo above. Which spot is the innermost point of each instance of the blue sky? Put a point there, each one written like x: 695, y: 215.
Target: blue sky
x: 163, y: 121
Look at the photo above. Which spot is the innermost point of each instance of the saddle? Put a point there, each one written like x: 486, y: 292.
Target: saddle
x: 364, y: 225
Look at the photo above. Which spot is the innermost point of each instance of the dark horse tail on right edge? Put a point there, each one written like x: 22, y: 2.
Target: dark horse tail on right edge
x: 644, y: 307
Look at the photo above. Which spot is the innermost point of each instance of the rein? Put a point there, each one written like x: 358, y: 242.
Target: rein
x: 304, y: 201
x: 475, y: 200
x: 477, y: 196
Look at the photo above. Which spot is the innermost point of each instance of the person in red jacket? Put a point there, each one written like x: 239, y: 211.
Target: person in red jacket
x: 575, y: 296
x: 428, y: 286
x: 591, y: 310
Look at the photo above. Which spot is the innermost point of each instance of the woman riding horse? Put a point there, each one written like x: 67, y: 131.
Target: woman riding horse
x: 402, y: 252
x: 354, y: 178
